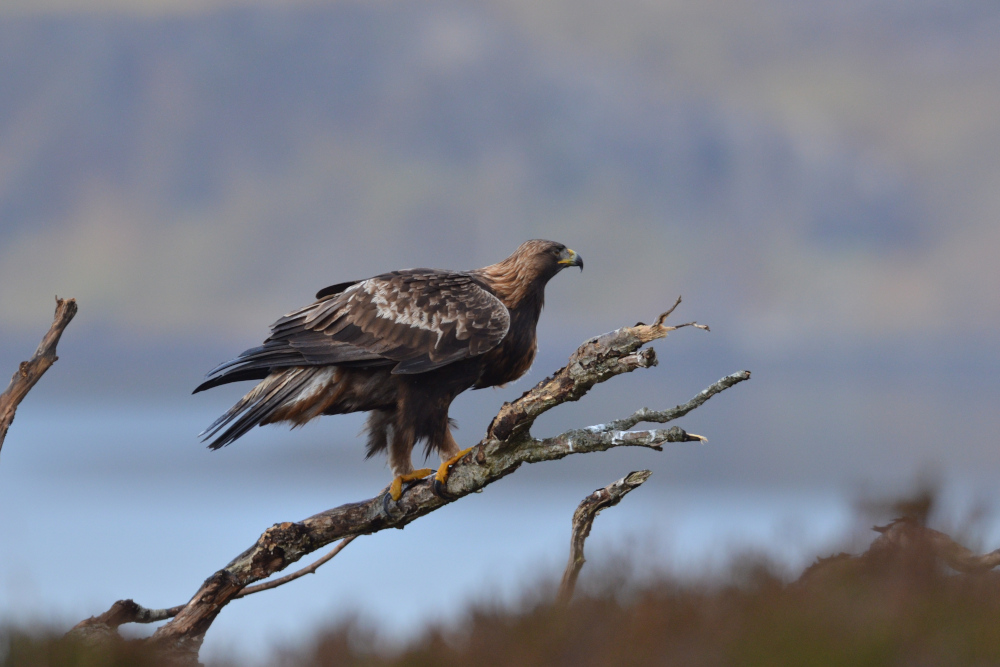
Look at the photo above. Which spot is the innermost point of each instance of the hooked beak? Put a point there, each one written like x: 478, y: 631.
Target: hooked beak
x: 570, y: 258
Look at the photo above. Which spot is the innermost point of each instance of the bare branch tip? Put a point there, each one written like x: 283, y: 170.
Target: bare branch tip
x: 66, y: 307
x: 664, y: 316
x: 686, y: 324
x: 637, y: 477
x: 692, y: 437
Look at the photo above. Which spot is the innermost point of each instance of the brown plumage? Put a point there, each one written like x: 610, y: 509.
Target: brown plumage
x: 401, y: 346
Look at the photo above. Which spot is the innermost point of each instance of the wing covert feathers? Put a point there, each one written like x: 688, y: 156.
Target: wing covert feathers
x: 416, y: 320
x: 421, y: 318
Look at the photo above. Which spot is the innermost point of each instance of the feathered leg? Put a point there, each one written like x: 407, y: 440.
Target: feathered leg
x: 399, y: 460
x: 379, y: 426
x: 450, y: 455
x: 447, y: 447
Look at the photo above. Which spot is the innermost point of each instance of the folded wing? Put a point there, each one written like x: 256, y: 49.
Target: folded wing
x: 415, y: 320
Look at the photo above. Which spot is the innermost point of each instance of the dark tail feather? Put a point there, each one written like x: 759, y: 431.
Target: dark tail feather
x: 309, y: 349
x: 253, y: 364
x: 240, y: 376
x: 259, y: 403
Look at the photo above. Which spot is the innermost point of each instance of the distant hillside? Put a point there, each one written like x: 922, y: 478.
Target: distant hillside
x: 179, y: 157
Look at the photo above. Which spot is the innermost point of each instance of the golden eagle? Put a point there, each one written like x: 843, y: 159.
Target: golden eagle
x: 401, y: 346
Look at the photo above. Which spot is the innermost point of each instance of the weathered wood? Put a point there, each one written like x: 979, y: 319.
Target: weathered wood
x: 508, y: 444
x: 29, y: 372
x: 583, y: 521
x: 101, y: 628
x: 597, y: 360
x: 309, y: 569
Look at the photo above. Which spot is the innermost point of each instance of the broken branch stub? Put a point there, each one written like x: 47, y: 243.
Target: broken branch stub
x: 29, y: 372
x: 583, y: 521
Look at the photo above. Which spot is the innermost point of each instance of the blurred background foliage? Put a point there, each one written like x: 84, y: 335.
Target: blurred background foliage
x: 888, y: 608
x: 828, y: 169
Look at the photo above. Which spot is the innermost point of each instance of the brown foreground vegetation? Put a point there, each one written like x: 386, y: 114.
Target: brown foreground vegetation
x: 899, y: 603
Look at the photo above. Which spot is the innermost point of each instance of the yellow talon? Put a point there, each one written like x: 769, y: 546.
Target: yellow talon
x: 442, y: 474
x: 396, y: 488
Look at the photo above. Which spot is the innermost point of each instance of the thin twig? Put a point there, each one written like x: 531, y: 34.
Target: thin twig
x: 281, y: 581
x: 663, y: 416
x: 663, y: 316
x: 666, y: 314
x: 583, y: 521
x: 29, y: 372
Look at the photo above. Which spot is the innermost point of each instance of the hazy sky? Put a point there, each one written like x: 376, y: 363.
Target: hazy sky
x: 202, y: 173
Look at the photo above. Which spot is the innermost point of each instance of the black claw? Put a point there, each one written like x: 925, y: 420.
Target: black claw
x: 409, y: 485
x: 441, y: 492
x: 402, y: 492
x: 385, y: 503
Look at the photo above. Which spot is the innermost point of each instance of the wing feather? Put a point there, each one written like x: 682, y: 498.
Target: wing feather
x: 418, y: 320
x: 421, y: 318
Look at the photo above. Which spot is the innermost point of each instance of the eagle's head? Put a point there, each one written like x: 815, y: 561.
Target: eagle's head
x: 544, y: 259
x: 528, y: 269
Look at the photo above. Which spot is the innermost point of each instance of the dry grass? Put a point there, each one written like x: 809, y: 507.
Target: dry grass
x: 890, y: 609
x: 886, y: 608
x: 46, y: 649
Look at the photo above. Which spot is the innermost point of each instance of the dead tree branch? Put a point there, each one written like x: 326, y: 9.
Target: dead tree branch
x: 583, y: 521
x: 311, y: 569
x: 98, y: 628
x: 29, y: 372
x: 663, y: 416
x: 507, y: 445
x: 597, y: 360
